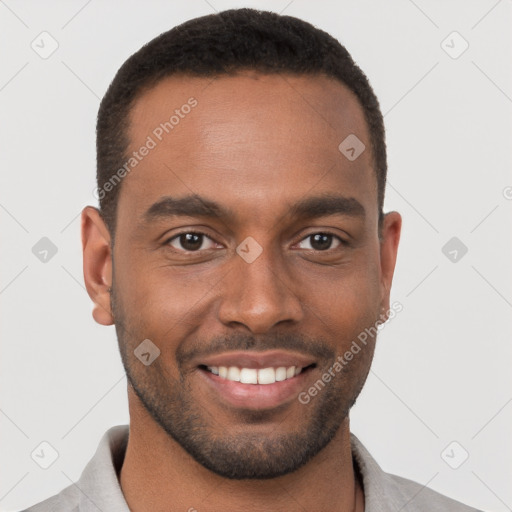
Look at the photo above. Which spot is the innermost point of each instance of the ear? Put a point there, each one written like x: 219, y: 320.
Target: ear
x: 390, y: 236
x: 97, y: 258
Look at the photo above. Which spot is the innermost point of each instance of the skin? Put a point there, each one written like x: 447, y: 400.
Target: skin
x: 255, y: 144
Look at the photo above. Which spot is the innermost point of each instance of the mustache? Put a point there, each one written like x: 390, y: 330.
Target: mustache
x: 318, y: 348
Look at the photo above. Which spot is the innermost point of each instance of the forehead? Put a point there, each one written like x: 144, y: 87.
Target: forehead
x: 252, y: 142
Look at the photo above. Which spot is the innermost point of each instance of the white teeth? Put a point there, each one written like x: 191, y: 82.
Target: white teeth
x: 266, y: 376
x: 234, y: 373
x: 249, y: 376
x: 280, y: 373
x: 253, y: 376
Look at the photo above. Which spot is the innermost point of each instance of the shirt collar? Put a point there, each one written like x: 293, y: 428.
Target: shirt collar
x: 99, y: 483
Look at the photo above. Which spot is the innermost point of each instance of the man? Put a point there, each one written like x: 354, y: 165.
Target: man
x: 241, y: 249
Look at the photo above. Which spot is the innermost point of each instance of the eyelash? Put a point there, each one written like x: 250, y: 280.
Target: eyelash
x: 199, y: 233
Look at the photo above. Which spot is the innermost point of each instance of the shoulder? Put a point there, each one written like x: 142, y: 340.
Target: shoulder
x: 66, y: 500
x: 98, y: 487
x: 385, y: 491
x: 418, y: 498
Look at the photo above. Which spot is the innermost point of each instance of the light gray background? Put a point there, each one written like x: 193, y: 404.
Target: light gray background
x: 442, y: 366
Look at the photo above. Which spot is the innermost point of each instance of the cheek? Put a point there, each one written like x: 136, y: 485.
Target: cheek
x: 161, y: 298
x: 350, y: 312
x: 347, y: 300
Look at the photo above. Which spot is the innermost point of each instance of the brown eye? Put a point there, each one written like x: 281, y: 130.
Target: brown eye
x: 322, y: 241
x: 189, y: 241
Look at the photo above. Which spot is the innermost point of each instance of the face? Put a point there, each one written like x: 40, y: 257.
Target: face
x: 247, y: 249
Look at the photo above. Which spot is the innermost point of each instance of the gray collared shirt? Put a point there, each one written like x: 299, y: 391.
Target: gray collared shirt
x: 98, y: 488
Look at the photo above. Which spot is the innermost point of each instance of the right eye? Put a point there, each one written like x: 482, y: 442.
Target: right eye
x: 189, y: 241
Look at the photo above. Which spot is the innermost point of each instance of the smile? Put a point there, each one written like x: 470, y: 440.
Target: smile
x: 264, y: 376
x: 255, y: 380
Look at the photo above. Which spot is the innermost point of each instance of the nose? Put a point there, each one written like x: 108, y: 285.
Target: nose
x: 259, y: 295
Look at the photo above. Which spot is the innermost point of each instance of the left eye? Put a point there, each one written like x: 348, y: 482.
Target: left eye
x: 321, y: 241
x: 190, y: 241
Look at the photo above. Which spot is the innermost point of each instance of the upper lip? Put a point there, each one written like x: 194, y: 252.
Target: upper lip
x: 257, y: 360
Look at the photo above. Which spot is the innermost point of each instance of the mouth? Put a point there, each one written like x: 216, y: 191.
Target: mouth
x: 254, y: 380
x: 263, y: 376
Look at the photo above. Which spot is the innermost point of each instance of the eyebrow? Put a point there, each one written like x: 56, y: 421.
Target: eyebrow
x: 197, y: 206
x: 324, y: 205
x: 190, y: 206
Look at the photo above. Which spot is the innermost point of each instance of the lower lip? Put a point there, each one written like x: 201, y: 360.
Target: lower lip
x: 255, y: 396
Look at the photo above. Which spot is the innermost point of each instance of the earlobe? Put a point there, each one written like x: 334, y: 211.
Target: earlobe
x: 391, y: 228
x: 97, y: 264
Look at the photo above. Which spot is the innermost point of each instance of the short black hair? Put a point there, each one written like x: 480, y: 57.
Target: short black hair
x: 223, y: 44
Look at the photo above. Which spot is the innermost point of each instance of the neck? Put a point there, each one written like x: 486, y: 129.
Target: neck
x: 158, y: 475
